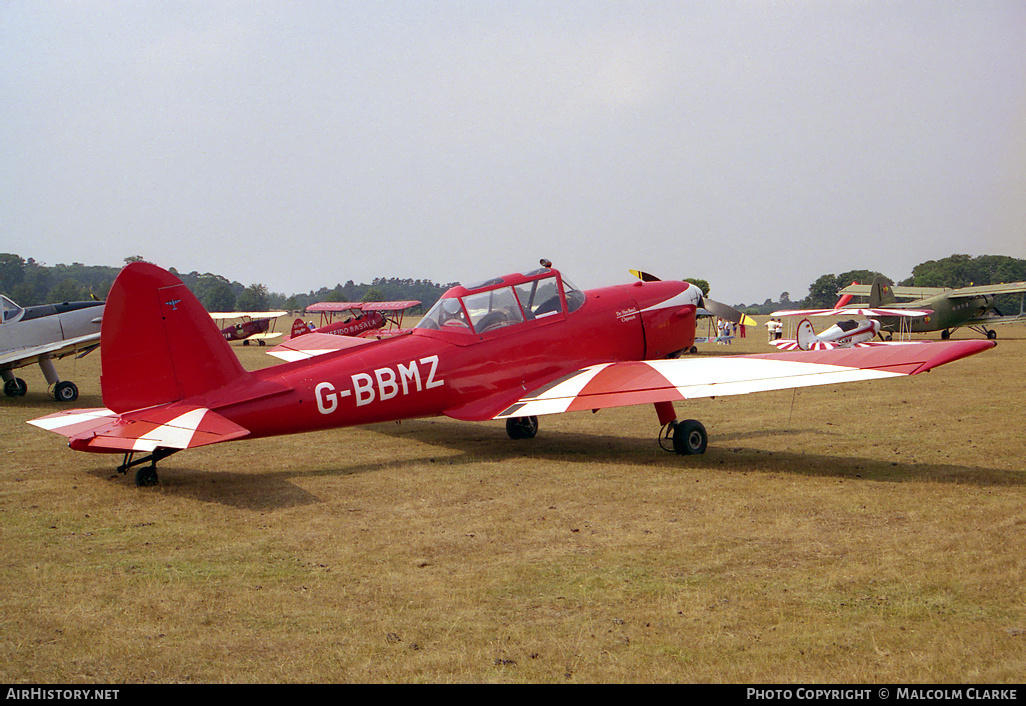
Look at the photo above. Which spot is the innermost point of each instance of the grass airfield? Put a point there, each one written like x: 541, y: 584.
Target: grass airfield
x: 870, y: 532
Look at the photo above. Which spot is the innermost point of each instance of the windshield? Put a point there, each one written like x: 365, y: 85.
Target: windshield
x: 501, y: 306
x: 10, y: 310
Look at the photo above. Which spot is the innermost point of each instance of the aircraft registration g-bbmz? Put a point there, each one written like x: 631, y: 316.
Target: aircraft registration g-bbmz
x: 513, y: 348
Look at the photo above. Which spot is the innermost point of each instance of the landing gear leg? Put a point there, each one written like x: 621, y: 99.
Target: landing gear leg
x: 147, y: 475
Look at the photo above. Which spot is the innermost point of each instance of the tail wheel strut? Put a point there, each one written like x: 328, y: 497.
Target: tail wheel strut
x: 147, y: 475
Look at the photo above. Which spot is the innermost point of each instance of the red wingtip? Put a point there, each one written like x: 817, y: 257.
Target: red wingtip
x: 953, y: 350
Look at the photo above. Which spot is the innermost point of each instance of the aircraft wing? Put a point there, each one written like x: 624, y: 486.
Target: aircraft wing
x: 990, y: 318
x: 862, y: 290
x: 313, y: 344
x: 321, y: 307
x: 57, y: 349
x: 222, y: 315
x: 992, y: 289
x: 174, y: 426
x: 853, y: 311
x: 389, y: 306
x: 630, y: 383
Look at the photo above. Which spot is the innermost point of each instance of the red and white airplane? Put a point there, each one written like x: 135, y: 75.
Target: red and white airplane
x: 843, y: 334
x: 513, y: 348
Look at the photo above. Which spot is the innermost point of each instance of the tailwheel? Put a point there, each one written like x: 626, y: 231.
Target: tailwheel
x: 689, y: 438
x: 147, y: 475
x: 522, y: 427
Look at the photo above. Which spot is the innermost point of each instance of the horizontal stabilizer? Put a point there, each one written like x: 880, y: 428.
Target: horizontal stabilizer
x: 314, y: 344
x: 173, y: 427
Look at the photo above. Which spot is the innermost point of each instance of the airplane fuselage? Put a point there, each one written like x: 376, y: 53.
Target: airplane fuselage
x: 946, y: 313
x: 39, y: 325
x: 464, y: 374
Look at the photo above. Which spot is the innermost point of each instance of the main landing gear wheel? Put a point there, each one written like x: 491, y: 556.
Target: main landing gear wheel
x: 65, y: 391
x: 689, y: 438
x: 522, y: 427
x: 15, y: 387
x: 992, y: 334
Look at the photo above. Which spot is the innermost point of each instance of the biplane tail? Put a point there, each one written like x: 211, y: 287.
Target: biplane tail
x: 881, y: 294
x: 299, y: 327
x: 158, y: 344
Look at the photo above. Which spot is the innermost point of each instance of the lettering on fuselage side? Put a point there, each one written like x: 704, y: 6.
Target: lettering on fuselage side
x: 382, y: 384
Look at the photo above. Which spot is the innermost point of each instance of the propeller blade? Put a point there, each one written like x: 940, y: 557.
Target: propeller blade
x: 644, y: 276
x: 725, y: 311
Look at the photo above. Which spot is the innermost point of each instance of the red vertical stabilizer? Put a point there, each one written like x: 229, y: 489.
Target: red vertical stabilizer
x: 158, y: 344
x: 845, y: 298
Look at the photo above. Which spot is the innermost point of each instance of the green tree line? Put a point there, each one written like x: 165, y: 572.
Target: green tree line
x: 29, y: 282
x: 953, y: 272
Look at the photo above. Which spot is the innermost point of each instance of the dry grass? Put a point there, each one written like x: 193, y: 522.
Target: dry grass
x: 872, y: 532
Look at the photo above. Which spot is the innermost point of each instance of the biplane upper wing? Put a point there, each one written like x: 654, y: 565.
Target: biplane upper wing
x: 991, y: 289
x: 853, y: 311
x: 323, y: 307
x: 222, y: 315
x: 863, y: 290
x: 629, y: 383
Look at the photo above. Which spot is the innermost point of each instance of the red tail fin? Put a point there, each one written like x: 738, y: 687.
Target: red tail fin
x: 843, y: 301
x: 299, y: 327
x: 158, y: 344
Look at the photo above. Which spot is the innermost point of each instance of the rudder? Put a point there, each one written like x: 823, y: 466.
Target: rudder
x: 881, y: 294
x: 158, y: 344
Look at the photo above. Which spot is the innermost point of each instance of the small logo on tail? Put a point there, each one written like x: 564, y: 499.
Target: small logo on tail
x: 173, y: 304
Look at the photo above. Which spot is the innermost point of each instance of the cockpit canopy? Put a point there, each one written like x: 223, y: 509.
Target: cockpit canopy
x: 11, y: 311
x: 504, y: 301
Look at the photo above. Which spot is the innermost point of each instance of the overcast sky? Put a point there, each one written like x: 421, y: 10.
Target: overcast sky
x: 757, y: 145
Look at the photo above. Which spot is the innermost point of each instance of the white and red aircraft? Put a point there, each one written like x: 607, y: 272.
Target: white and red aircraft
x: 843, y: 334
x: 41, y: 334
x: 513, y: 348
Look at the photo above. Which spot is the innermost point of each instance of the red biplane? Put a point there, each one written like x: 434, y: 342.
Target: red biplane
x: 513, y: 348
x: 357, y: 318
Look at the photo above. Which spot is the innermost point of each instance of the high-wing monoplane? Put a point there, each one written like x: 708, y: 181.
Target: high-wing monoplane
x: 250, y: 325
x: 947, y: 309
x: 41, y: 334
x: 509, y: 348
